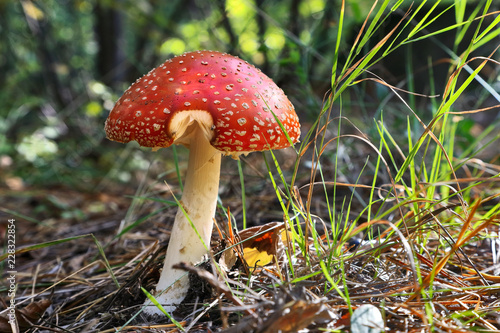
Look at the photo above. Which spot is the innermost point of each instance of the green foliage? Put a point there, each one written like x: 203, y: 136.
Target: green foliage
x: 64, y: 64
x: 416, y: 179
x: 418, y: 168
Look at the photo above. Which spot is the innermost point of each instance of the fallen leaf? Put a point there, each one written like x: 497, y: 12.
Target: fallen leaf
x: 26, y: 316
x: 262, y: 244
x: 297, y: 315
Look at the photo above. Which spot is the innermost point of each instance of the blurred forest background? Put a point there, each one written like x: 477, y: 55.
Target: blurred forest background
x: 64, y: 63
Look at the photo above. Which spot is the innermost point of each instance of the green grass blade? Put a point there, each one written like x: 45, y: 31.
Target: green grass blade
x: 158, y: 305
x: 243, y: 197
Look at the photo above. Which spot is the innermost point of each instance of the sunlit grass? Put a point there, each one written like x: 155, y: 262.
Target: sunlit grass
x: 428, y: 209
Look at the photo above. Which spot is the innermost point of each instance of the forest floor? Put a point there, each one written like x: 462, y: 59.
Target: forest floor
x: 67, y: 248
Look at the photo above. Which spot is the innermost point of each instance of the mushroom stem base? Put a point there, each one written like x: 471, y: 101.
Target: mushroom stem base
x: 190, y: 238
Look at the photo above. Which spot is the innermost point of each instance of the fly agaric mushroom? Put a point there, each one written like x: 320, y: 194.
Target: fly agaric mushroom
x: 215, y: 104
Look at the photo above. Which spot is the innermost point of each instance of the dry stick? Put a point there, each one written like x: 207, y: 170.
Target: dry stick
x: 214, y: 282
x: 202, y: 313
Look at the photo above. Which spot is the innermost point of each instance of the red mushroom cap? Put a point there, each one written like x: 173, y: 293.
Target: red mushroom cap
x: 243, y: 102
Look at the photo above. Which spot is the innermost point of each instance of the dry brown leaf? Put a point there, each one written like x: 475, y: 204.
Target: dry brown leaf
x: 26, y: 317
x: 262, y: 244
x: 297, y: 315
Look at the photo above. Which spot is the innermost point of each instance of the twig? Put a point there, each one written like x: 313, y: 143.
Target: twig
x: 214, y: 282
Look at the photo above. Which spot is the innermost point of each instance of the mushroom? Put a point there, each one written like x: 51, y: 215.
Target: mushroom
x: 214, y: 104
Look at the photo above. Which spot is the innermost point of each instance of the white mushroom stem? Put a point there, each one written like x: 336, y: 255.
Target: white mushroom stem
x: 190, y: 242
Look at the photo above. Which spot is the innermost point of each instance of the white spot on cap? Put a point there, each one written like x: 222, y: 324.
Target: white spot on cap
x: 255, y: 137
x: 221, y: 123
x: 187, y: 104
x: 242, y: 121
x: 259, y: 121
x: 166, y: 111
x: 138, y: 113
